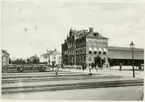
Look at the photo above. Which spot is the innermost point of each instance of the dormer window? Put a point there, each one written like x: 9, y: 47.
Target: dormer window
x: 96, y: 34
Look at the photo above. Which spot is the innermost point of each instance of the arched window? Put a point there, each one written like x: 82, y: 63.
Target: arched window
x: 104, y: 51
x: 90, y: 50
x: 100, y: 51
x: 95, y: 50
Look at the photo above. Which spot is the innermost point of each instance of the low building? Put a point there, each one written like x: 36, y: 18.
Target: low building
x: 123, y: 55
x: 43, y: 58
x: 51, y: 57
x: 55, y: 58
x: 5, y: 58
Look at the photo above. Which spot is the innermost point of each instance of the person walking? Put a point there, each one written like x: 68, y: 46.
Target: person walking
x: 96, y: 68
x: 56, y: 71
x: 90, y: 69
x: 120, y: 65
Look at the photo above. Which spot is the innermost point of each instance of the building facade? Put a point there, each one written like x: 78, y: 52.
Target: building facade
x: 84, y: 47
x: 55, y: 58
x: 123, y: 55
x: 51, y: 57
x: 5, y: 58
x: 89, y: 47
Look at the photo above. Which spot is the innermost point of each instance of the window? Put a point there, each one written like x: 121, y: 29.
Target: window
x: 90, y: 59
x: 104, y: 53
x: 80, y: 51
x: 4, y: 59
x: 95, y: 52
x: 80, y: 58
x: 90, y: 52
x: 99, y: 52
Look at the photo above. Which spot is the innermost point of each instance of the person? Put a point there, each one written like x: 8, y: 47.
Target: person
x: 56, y: 72
x: 120, y: 66
x: 96, y: 68
x: 90, y: 69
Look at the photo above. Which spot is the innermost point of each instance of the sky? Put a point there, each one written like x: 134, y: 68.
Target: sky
x: 32, y: 27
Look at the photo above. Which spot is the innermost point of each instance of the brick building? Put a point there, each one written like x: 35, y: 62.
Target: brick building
x: 83, y: 47
x: 87, y: 47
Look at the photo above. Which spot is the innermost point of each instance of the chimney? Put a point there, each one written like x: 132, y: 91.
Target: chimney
x: 91, y: 29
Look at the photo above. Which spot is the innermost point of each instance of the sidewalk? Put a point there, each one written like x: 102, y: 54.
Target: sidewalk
x: 113, y: 71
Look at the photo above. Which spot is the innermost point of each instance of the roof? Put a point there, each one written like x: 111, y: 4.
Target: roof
x: 55, y: 53
x: 52, y: 52
x: 125, y: 53
x: 91, y: 35
x: 124, y: 48
x: 5, y: 51
x: 44, y: 55
x: 85, y: 32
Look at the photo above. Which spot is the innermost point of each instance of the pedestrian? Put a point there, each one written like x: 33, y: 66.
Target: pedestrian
x: 90, y: 69
x: 96, y: 68
x: 56, y: 71
x: 120, y: 65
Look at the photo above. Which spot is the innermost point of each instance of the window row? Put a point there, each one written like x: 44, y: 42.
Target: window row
x: 81, y: 50
x: 80, y: 58
x: 96, y: 52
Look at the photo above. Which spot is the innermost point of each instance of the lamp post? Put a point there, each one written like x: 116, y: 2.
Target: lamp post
x: 132, y: 45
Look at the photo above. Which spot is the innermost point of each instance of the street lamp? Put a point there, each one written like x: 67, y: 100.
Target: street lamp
x: 132, y: 45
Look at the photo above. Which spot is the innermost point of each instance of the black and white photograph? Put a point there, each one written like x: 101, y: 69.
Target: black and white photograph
x: 72, y: 50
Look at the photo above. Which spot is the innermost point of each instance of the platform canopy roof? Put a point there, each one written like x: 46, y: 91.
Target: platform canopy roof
x: 125, y: 53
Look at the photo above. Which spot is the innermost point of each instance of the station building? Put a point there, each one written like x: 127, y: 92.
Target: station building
x: 90, y: 47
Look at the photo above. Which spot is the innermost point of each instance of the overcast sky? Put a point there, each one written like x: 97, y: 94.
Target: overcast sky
x: 30, y: 27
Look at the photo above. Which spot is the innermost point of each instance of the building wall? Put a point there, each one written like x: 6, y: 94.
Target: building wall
x: 64, y: 53
x: 97, y: 46
x: 81, y: 51
x: 5, y: 58
x: 75, y: 50
x: 123, y: 55
x: 55, y: 57
x: 78, y: 45
x: 43, y: 58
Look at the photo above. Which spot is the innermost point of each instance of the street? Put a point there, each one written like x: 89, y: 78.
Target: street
x: 131, y: 93
x: 73, y: 84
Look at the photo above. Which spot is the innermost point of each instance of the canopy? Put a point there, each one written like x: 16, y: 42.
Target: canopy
x: 105, y: 50
x: 95, y: 49
x: 90, y: 49
x: 100, y: 49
